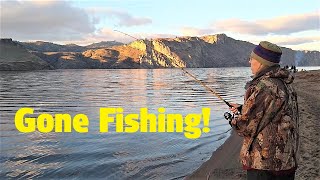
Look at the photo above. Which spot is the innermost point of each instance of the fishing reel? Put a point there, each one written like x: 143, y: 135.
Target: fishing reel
x: 228, y: 116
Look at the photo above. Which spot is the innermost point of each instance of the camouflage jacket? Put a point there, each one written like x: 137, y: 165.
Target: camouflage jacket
x: 269, y: 122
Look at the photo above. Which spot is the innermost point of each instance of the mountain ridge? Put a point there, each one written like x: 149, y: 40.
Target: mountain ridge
x: 192, y: 52
x: 44, y: 46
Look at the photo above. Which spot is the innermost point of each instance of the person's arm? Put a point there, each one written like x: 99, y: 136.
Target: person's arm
x: 258, y: 110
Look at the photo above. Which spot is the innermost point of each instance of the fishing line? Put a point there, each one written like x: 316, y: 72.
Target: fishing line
x: 187, y: 72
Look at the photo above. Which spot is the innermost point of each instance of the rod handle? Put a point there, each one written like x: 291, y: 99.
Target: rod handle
x: 227, y: 103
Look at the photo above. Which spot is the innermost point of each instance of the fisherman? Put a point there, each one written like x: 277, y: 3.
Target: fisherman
x: 268, y: 119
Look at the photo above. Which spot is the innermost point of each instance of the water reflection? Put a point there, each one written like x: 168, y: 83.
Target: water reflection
x: 112, y: 155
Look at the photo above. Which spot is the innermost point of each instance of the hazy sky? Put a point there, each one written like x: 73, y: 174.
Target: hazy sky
x: 290, y: 23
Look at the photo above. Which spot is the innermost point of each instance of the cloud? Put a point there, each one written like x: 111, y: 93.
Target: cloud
x: 278, y: 25
x: 123, y: 18
x: 295, y: 41
x: 128, y: 20
x: 299, y: 31
x: 44, y: 20
x: 110, y: 35
x: 312, y: 46
x: 282, y: 25
x: 191, y: 31
x: 107, y: 34
x: 291, y: 40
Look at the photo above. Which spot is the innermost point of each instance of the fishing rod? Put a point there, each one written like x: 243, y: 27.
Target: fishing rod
x: 189, y: 74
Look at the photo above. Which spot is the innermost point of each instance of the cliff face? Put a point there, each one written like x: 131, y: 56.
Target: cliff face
x: 207, y: 51
x: 14, y: 57
x: 211, y: 51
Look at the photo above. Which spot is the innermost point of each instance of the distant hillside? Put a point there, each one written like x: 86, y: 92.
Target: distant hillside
x: 42, y: 46
x: 300, y: 58
x: 16, y: 58
x: 103, y: 44
x: 193, y: 52
x: 105, y: 58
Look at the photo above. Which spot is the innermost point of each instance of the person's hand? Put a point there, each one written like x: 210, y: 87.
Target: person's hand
x: 234, y: 108
x: 233, y: 122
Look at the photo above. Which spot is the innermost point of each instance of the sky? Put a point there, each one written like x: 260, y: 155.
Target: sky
x: 290, y: 23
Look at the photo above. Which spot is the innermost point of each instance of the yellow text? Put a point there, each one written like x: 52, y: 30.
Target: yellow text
x: 148, y: 122
x: 47, y: 123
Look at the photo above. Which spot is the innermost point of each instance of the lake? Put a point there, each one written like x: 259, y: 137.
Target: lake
x: 112, y: 155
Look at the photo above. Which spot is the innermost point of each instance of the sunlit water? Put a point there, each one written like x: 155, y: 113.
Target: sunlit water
x: 112, y: 155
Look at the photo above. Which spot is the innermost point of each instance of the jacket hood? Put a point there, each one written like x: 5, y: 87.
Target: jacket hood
x: 281, y: 73
x: 273, y: 72
x: 277, y: 72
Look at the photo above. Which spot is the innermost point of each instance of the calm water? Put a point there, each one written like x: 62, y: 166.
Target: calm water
x: 112, y: 155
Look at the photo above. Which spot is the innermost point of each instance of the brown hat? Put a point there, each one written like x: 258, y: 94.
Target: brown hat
x: 267, y: 53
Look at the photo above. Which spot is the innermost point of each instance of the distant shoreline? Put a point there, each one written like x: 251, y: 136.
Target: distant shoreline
x: 300, y: 68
